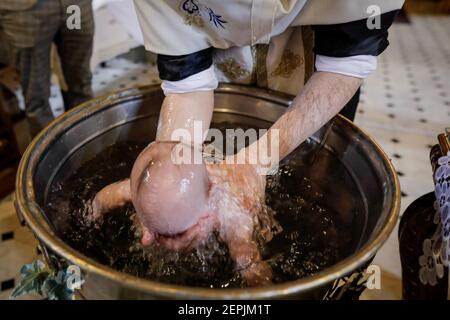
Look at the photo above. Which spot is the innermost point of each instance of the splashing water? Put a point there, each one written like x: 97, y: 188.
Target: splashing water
x: 314, y: 235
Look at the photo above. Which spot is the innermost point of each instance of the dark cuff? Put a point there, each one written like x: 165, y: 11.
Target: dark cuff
x: 353, y: 38
x: 175, y: 68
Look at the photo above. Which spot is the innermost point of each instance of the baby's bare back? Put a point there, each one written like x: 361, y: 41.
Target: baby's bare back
x: 245, y: 223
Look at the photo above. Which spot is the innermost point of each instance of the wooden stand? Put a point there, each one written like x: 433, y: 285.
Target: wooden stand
x: 428, y: 6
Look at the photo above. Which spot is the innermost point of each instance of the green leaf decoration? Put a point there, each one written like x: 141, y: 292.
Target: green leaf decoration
x: 34, y: 276
x: 56, y: 287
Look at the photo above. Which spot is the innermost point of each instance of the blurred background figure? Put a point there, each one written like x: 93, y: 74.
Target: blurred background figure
x: 30, y: 28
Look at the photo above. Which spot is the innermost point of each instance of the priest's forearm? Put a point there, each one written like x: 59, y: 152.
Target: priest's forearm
x: 183, y: 111
x: 321, y: 99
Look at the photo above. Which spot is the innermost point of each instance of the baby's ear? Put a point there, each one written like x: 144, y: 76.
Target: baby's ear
x: 148, y: 237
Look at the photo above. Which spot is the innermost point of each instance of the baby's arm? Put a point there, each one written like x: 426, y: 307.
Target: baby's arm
x: 110, y: 197
x: 238, y: 235
x: 247, y: 258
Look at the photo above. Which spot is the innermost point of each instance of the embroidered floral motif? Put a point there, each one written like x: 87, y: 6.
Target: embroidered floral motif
x: 262, y: 79
x: 218, y: 21
x: 231, y: 69
x: 445, y: 251
x: 436, y: 249
x: 430, y: 268
x: 190, y: 6
x: 196, y: 13
x: 289, y: 62
x: 194, y: 20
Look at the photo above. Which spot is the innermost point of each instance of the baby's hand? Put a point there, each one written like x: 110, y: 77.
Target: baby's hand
x: 110, y: 197
x: 239, y: 193
x: 247, y: 259
x: 258, y: 274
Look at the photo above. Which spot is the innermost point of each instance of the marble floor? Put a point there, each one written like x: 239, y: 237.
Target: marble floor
x: 404, y: 105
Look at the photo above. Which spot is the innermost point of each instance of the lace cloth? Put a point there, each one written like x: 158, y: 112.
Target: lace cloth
x: 442, y: 191
x: 437, y: 248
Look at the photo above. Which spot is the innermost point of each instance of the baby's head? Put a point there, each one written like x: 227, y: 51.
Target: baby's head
x: 169, y: 198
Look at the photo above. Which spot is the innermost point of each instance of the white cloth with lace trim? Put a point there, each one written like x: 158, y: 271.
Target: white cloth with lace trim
x: 442, y: 192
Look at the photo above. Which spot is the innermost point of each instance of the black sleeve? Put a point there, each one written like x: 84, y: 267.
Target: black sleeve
x: 175, y: 68
x: 353, y: 38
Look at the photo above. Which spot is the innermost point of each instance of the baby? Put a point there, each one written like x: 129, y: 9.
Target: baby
x: 180, y: 205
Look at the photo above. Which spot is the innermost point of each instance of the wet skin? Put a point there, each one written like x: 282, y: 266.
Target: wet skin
x: 179, y: 206
x: 235, y: 191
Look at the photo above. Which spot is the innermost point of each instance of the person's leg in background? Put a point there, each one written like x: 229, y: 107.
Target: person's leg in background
x: 349, y: 111
x: 75, y: 51
x: 34, y: 72
x: 30, y: 34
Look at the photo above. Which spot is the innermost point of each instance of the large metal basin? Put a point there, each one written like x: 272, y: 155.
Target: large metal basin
x: 132, y: 115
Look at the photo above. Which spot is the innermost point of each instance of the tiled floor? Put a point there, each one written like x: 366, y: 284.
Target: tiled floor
x: 17, y: 247
x: 404, y: 105
x: 117, y: 74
